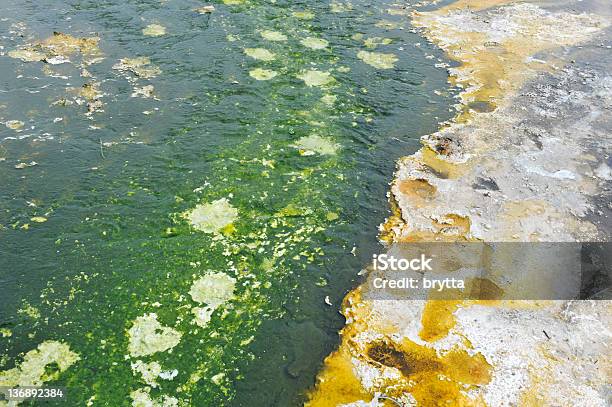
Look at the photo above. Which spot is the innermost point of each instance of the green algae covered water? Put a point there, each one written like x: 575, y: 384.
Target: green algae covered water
x: 187, y: 192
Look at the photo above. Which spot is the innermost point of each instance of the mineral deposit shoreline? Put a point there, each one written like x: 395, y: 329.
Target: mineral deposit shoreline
x: 527, y: 159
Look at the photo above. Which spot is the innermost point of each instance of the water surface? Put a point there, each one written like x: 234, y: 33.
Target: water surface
x: 112, y: 185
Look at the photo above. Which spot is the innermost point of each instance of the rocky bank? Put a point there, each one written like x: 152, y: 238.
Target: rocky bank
x: 526, y: 159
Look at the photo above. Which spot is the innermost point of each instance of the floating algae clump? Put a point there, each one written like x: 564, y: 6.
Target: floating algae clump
x: 303, y: 15
x: 202, y: 315
x: 154, y: 30
x: 149, y: 371
x: 27, y: 55
x: 205, y: 9
x: 316, y: 78
x: 373, y: 42
x: 212, y: 217
x: 27, y: 308
x: 14, y: 124
x: 262, y: 74
x: 64, y: 44
x: 331, y: 216
x: 152, y: 371
x: 142, y: 398
x: 33, y: 369
x: 143, y: 92
x: 377, y: 59
x: 140, y: 66
x: 57, y: 48
x: 213, y: 290
x: 336, y: 7
x: 329, y: 99
x: 90, y: 91
x: 314, y: 144
x: 273, y: 35
x: 260, y: 53
x: 314, y: 43
x: 147, y: 336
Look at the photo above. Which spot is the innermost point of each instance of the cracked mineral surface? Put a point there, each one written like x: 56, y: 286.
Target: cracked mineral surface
x: 526, y: 159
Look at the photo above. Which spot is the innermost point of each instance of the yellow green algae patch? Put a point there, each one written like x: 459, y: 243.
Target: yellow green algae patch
x: 154, y: 30
x: 388, y: 24
x: 139, y: 66
x: 378, y: 60
x: 316, y: 78
x: 144, y: 92
x: 14, y: 124
x: 314, y: 43
x: 261, y: 54
x: 211, y: 290
x: 337, y: 7
x: 152, y: 371
x: 29, y: 310
x: 218, y: 378
x: 331, y: 216
x: 205, y: 9
x: 57, y: 48
x: 33, y: 372
x: 27, y: 55
x: 149, y: 371
x: 21, y: 166
x: 329, y: 99
x: 38, y: 219
x: 303, y: 15
x: 148, y: 336
x: 314, y: 144
x: 65, y: 44
x: 289, y: 211
x: 212, y: 217
x: 90, y: 91
x: 373, y: 42
x: 143, y: 398
x: 202, y: 315
x: 273, y: 35
x: 261, y: 74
